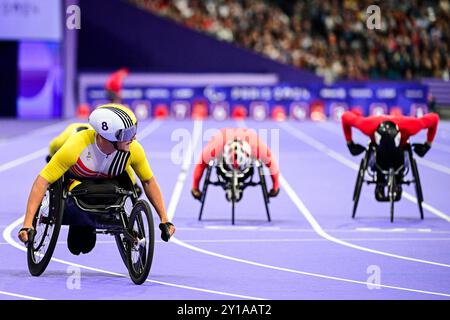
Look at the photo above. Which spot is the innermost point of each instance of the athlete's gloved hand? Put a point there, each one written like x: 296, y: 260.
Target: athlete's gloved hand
x: 196, y: 193
x: 26, y: 234
x: 138, y: 190
x: 48, y: 158
x: 355, y: 148
x: 167, y: 230
x: 273, y: 193
x: 421, y: 148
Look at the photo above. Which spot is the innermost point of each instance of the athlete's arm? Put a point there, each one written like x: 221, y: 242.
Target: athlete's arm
x: 210, y: 152
x: 140, y: 165
x: 154, y: 195
x: 264, y: 154
x: 348, y: 121
x: 37, y: 193
x: 412, y: 126
x: 430, y: 121
x: 66, y: 156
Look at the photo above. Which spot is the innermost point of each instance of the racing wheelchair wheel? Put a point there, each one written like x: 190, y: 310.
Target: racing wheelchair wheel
x: 264, y: 191
x: 120, y: 239
x: 392, y: 191
x: 359, y: 181
x: 417, y: 184
x: 139, y: 252
x: 47, y: 224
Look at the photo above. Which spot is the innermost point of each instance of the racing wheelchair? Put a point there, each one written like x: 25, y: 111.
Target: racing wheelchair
x: 234, y: 182
x: 393, y: 177
x: 111, y: 206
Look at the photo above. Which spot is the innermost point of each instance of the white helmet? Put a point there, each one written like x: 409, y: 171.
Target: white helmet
x: 114, y: 122
x: 237, y: 155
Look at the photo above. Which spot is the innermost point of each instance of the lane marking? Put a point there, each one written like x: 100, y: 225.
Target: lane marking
x: 7, y: 235
x: 152, y: 126
x: 188, y: 246
x: 19, y: 295
x: 433, y: 165
x: 273, y: 240
x: 316, y: 226
x: 187, y: 160
x: 321, y: 147
x: 37, y: 132
x: 27, y: 158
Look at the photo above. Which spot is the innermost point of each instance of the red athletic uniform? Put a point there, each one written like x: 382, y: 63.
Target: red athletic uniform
x: 408, y: 126
x: 114, y: 82
x: 215, y: 146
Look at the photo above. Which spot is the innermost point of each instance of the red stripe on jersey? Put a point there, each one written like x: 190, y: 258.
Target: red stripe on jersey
x: 88, y: 174
x: 82, y: 166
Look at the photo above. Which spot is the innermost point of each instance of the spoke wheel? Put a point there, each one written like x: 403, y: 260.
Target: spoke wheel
x: 47, y: 224
x: 140, y: 250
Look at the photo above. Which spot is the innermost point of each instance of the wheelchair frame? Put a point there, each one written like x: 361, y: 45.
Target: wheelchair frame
x: 391, y: 183
x: 235, y: 183
x: 124, y: 226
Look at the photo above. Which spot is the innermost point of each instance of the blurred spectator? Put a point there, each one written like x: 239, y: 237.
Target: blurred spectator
x: 328, y: 37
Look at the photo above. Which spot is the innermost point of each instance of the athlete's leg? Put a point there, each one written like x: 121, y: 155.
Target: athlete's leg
x: 81, y: 237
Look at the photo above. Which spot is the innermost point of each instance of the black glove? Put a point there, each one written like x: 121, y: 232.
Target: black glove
x: 165, y: 227
x: 48, y: 158
x: 138, y: 190
x: 355, y: 148
x: 196, y: 194
x: 421, y: 148
x: 273, y: 193
x: 31, y: 233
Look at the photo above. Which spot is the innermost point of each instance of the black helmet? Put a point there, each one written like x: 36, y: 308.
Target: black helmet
x: 388, y: 135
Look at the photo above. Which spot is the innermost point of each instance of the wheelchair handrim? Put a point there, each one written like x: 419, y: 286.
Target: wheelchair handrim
x: 44, y: 229
x: 139, y: 249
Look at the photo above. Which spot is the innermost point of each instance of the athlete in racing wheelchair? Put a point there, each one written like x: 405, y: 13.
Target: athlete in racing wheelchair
x: 389, y: 155
x: 86, y: 185
x: 236, y: 154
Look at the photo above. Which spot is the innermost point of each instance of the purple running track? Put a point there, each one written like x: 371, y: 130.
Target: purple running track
x: 312, y: 249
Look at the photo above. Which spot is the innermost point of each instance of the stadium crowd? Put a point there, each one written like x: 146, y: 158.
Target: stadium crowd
x: 329, y: 37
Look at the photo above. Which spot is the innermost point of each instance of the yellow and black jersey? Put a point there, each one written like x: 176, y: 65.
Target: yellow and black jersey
x: 81, y: 155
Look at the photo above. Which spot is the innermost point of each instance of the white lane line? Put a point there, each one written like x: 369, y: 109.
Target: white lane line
x: 316, y: 226
x: 307, y: 240
x: 37, y: 132
x: 279, y: 229
x: 321, y: 147
x: 174, y: 203
x: 152, y: 126
x: 19, y: 295
x: 29, y: 157
x: 187, y: 160
x: 441, y: 146
x: 188, y: 246
x: 274, y: 240
x: 433, y: 165
x: 7, y: 235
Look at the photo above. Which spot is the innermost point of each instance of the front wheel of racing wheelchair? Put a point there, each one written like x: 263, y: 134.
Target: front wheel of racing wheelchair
x: 234, y: 183
x: 46, y: 224
x: 392, y: 183
x: 116, y: 210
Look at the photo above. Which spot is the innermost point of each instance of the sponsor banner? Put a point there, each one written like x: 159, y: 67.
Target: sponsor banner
x: 297, y: 101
